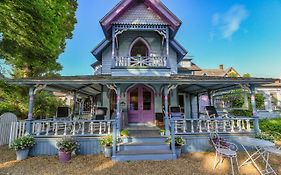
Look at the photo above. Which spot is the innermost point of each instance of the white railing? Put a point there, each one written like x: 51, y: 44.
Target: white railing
x: 46, y: 128
x: 140, y: 61
x: 219, y: 125
x: 73, y: 127
x: 18, y: 129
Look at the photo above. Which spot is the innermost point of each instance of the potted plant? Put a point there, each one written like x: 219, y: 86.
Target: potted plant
x: 162, y: 132
x: 179, y: 142
x: 107, y: 143
x: 125, y: 135
x: 22, y: 146
x: 66, y: 146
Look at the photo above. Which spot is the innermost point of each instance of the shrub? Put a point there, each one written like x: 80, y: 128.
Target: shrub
x: 179, y: 141
x: 266, y: 136
x: 24, y: 142
x: 67, y: 144
x: 246, y: 113
x: 271, y: 125
x: 106, y: 141
x: 124, y: 133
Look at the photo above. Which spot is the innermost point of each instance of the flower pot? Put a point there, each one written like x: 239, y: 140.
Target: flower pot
x: 64, y: 156
x: 178, y: 151
x: 162, y: 133
x: 107, y: 151
x: 22, y: 154
x: 125, y: 139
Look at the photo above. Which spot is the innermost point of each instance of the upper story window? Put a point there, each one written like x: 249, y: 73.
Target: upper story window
x: 139, y: 48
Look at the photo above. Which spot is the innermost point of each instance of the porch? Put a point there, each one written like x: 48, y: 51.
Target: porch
x: 160, y: 93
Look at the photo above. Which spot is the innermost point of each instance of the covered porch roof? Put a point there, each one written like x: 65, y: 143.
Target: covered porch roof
x: 92, y: 84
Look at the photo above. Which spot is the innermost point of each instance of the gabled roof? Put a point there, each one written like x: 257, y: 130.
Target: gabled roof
x: 140, y: 14
x: 217, y: 72
x: 155, y: 5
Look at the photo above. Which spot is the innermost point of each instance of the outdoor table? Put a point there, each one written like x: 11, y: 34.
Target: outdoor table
x: 259, y: 146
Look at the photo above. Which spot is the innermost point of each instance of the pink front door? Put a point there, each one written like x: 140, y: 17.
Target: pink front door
x: 140, y: 104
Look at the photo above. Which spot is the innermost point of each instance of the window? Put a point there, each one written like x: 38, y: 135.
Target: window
x: 139, y: 48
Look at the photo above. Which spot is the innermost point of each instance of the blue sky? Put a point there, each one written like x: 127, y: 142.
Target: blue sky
x: 245, y: 34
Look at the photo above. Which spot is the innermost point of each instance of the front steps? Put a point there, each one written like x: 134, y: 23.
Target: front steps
x: 144, y: 143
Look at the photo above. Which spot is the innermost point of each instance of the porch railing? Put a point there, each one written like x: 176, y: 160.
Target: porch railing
x: 46, y: 128
x: 219, y: 125
x: 141, y: 61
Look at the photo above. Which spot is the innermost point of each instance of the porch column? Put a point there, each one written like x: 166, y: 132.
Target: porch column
x: 254, y: 108
x: 74, y: 104
x: 198, y: 105
x: 209, y: 98
x: 267, y: 102
x: 118, y: 109
x: 167, y: 123
x: 30, y: 110
x: 278, y: 93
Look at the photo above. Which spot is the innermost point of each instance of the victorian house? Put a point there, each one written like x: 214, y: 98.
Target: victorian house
x: 141, y: 73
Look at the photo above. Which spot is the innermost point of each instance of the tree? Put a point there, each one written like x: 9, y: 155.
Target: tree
x: 34, y: 34
x: 247, y: 75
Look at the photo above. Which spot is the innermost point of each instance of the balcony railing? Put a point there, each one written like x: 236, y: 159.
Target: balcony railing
x: 139, y: 61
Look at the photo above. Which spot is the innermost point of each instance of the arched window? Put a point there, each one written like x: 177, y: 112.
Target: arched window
x: 139, y: 47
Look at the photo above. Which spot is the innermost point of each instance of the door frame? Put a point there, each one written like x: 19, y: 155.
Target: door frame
x: 140, y: 102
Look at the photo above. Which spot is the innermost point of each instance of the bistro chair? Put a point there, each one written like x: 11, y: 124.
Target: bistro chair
x: 224, y: 149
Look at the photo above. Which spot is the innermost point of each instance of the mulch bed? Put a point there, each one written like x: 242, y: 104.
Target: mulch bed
x: 188, y: 164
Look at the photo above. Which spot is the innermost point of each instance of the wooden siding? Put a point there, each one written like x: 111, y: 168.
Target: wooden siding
x: 107, y: 61
x: 47, y: 146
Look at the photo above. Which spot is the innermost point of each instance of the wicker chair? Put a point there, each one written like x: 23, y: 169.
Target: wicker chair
x: 224, y: 150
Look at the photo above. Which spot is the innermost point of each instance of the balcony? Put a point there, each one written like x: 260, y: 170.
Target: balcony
x: 140, y: 62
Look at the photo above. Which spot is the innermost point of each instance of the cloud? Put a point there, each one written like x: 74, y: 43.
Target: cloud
x: 226, y: 24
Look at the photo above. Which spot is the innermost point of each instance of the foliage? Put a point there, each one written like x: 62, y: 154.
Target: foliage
x: 179, y: 141
x: 22, y: 143
x: 244, y: 113
x: 162, y: 131
x: 247, y: 75
x: 34, y: 34
x: 265, y: 136
x: 14, y: 99
x: 124, y: 133
x: 233, y: 74
x: 106, y: 141
x: 67, y: 144
x: 271, y: 125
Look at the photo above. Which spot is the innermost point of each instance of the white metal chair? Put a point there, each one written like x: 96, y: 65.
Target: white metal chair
x: 224, y: 150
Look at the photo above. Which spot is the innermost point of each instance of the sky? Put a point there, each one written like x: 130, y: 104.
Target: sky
x: 244, y: 34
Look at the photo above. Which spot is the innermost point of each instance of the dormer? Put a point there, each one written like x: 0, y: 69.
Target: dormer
x: 139, y: 40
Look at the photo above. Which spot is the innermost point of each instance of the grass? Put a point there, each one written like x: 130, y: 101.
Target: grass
x: 188, y: 164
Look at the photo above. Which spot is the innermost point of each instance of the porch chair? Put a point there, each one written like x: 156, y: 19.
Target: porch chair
x: 100, y: 114
x: 176, y: 113
x: 212, y: 113
x: 224, y: 149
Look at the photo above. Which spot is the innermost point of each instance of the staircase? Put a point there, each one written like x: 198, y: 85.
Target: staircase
x: 144, y: 143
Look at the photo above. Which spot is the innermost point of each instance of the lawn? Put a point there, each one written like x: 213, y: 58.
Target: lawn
x: 188, y: 164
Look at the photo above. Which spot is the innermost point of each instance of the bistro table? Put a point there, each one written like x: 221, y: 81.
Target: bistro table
x: 260, y: 147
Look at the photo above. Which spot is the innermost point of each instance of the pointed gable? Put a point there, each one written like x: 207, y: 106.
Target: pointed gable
x: 154, y: 6
x: 140, y: 14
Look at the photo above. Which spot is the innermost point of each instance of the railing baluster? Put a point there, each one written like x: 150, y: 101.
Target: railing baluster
x: 248, y: 125
x: 239, y: 125
x: 83, y: 128
x: 38, y: 131
x: 47, y: 129
x: 243, y: 124
x: 208, y: 125
x: 232, y: 125
x: 56, y: 129
x: 216, y: 126
x: 224, y: 126
x: 200, y: 127
x: 109, y: 129
x: 74, y: 128
x: 192, y: 126
x: 91, y: 128
x: 65, y: 128
x: 176, y: 126
x: 100, y: 132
